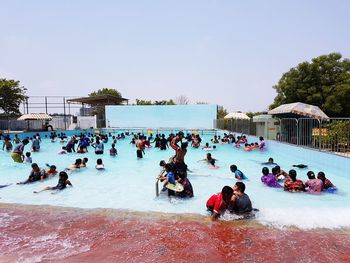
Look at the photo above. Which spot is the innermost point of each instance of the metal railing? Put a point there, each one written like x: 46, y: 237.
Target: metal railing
x: 330, y: 135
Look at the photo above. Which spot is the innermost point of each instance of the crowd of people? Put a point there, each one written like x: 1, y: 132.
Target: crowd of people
x: 174, y: 172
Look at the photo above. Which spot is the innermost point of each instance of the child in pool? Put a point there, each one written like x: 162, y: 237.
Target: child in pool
x: 238, y: 173
x: 113, y: 151
x: 99, y: 165
x: 219, y: 202
x: 62, y: 183
x: 51, y: 171
x: 210, y: 160
x: 28, y: 158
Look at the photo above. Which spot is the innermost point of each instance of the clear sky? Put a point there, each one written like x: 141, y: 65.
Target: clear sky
x: 229, y: 53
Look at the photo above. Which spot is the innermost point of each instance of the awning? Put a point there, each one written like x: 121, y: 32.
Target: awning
x: 299, y: 109
x: 35, y: 116
x: 237, y: 115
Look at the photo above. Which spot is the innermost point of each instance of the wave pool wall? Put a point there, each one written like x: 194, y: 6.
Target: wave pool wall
x: 159, y: 116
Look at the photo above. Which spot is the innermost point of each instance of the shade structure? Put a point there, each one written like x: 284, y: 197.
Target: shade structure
x: 237, y: 115
x: 299, y: 109
x: 35, y: 116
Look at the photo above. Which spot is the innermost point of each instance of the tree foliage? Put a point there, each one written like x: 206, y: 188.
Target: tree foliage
x: 12, y: 94
x: 156, y: 102
x: 222, y: 112
x: 106, y: 91
x: 324, y: 82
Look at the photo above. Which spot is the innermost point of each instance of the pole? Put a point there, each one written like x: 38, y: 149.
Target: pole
x: 45, y: 104
x: 64, y: 113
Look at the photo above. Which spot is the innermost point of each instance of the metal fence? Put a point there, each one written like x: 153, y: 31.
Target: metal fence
x: 236, y: 125
x: 331, y: 135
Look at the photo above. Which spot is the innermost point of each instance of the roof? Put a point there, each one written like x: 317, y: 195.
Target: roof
x: 35, y: 116
x: 99, y: 100
x: 299, y: 109
x: 262, y: 118
x: 237, y: 115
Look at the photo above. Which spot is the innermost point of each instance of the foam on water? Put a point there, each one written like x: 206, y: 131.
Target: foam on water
x: 128, y: 183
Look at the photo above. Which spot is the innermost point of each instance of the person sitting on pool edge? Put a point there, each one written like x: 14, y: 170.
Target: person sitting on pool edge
x: 238, y: 173
x: 327, y: 184
x: 36, y: 174
x: 240, y: 202
x: 219, y: 202
x: 292, y: 184
x: 314, y: 185
x: 62, y: 183
x: 269, y: 179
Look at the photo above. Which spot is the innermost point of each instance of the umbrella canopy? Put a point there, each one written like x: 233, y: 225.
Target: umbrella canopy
x: 35, y: 116
x: 298, y: 109
x: 237, y: 115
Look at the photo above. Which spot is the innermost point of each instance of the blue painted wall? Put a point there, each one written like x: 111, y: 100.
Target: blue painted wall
x: 170, y: 116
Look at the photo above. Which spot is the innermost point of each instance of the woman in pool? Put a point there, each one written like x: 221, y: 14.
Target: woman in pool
x: 292, y: 184
x: 62, y: 183
x: 314, y: 185
x: 17, y: 153
x: 98, y: 145
x: 238, y: 173
x: 269, y: 179
x: 327, y: 184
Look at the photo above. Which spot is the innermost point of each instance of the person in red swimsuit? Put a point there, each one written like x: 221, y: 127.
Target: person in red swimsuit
x: 218, y: 203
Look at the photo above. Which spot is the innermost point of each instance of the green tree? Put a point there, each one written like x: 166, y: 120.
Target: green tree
x: 106, y: 91
x: 222, y: 112
x: 324, y: 82
x: 149, y: 102
x: 12, y: 94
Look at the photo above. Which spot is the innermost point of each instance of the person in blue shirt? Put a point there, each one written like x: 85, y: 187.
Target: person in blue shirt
x: 238, y: 173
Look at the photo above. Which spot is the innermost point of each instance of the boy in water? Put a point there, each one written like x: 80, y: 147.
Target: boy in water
x: 219, y: 202
x: 62, y: 183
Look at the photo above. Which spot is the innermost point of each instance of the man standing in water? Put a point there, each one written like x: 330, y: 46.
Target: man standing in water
x: 180, y: 152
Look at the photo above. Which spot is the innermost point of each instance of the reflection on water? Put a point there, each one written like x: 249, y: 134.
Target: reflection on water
x: 54, y: 234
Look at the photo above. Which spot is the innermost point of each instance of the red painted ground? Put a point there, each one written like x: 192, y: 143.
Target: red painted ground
x: 44, y: 234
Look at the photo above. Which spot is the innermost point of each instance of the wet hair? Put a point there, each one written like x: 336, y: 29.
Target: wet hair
x: 184, y: 145
x: 53, y: 167
x: 113, y: 145
x: 28, y: 154
x: 85, y: 160
x: 274, y: 170
x: 78, y: 161
x: 25, y: 141
x: 212, y: 162
x: 99, y: 161
x: 233, y: 167
x: 208, y: 154
x: 180, y: 133
x: 321, y: 176
x: 35, y: 165
x: 226, y: 192
x: 64, y: 175
x: 293, y: 174
x: 270, y: 160
x: 214, y: 147
x: 310, y: 175
x: 278, y: 168
x: 265, y: 171
x: 162, y: 163
x: 261, y: 138
x: 168, y: 167
x: 241, y: 186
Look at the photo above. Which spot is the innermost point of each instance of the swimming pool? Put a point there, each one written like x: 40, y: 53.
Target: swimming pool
x: 129, y: 183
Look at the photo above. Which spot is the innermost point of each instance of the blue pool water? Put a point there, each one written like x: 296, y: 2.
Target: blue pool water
x: 129, y: 183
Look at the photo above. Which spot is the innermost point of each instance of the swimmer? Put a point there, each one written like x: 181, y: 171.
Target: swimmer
x: 210, y: 160
x: 63, y: 150
x: 292, y: 184
x: 113, y: 151
x: 279, y: 173
x: 51, y: 171
x: 62, y: 184
x: 302, y: 166
x: 314, y: 184
x: 206, y: 147
x: 240, y: 202
x: 238, y: 173
x: 84, y: 162
x: 75, y: 166
x: 37, y: 174
x: 28, y: 158
x: 219, y: 202
x: 327, y: 184
x: 269, y: 179
x: 99, y: 165
x: 269, y: 162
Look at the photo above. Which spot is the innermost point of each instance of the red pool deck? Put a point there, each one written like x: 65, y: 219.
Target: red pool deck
x: 55, y: 234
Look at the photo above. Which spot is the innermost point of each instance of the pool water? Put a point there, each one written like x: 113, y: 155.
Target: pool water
x: 129, y: 183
